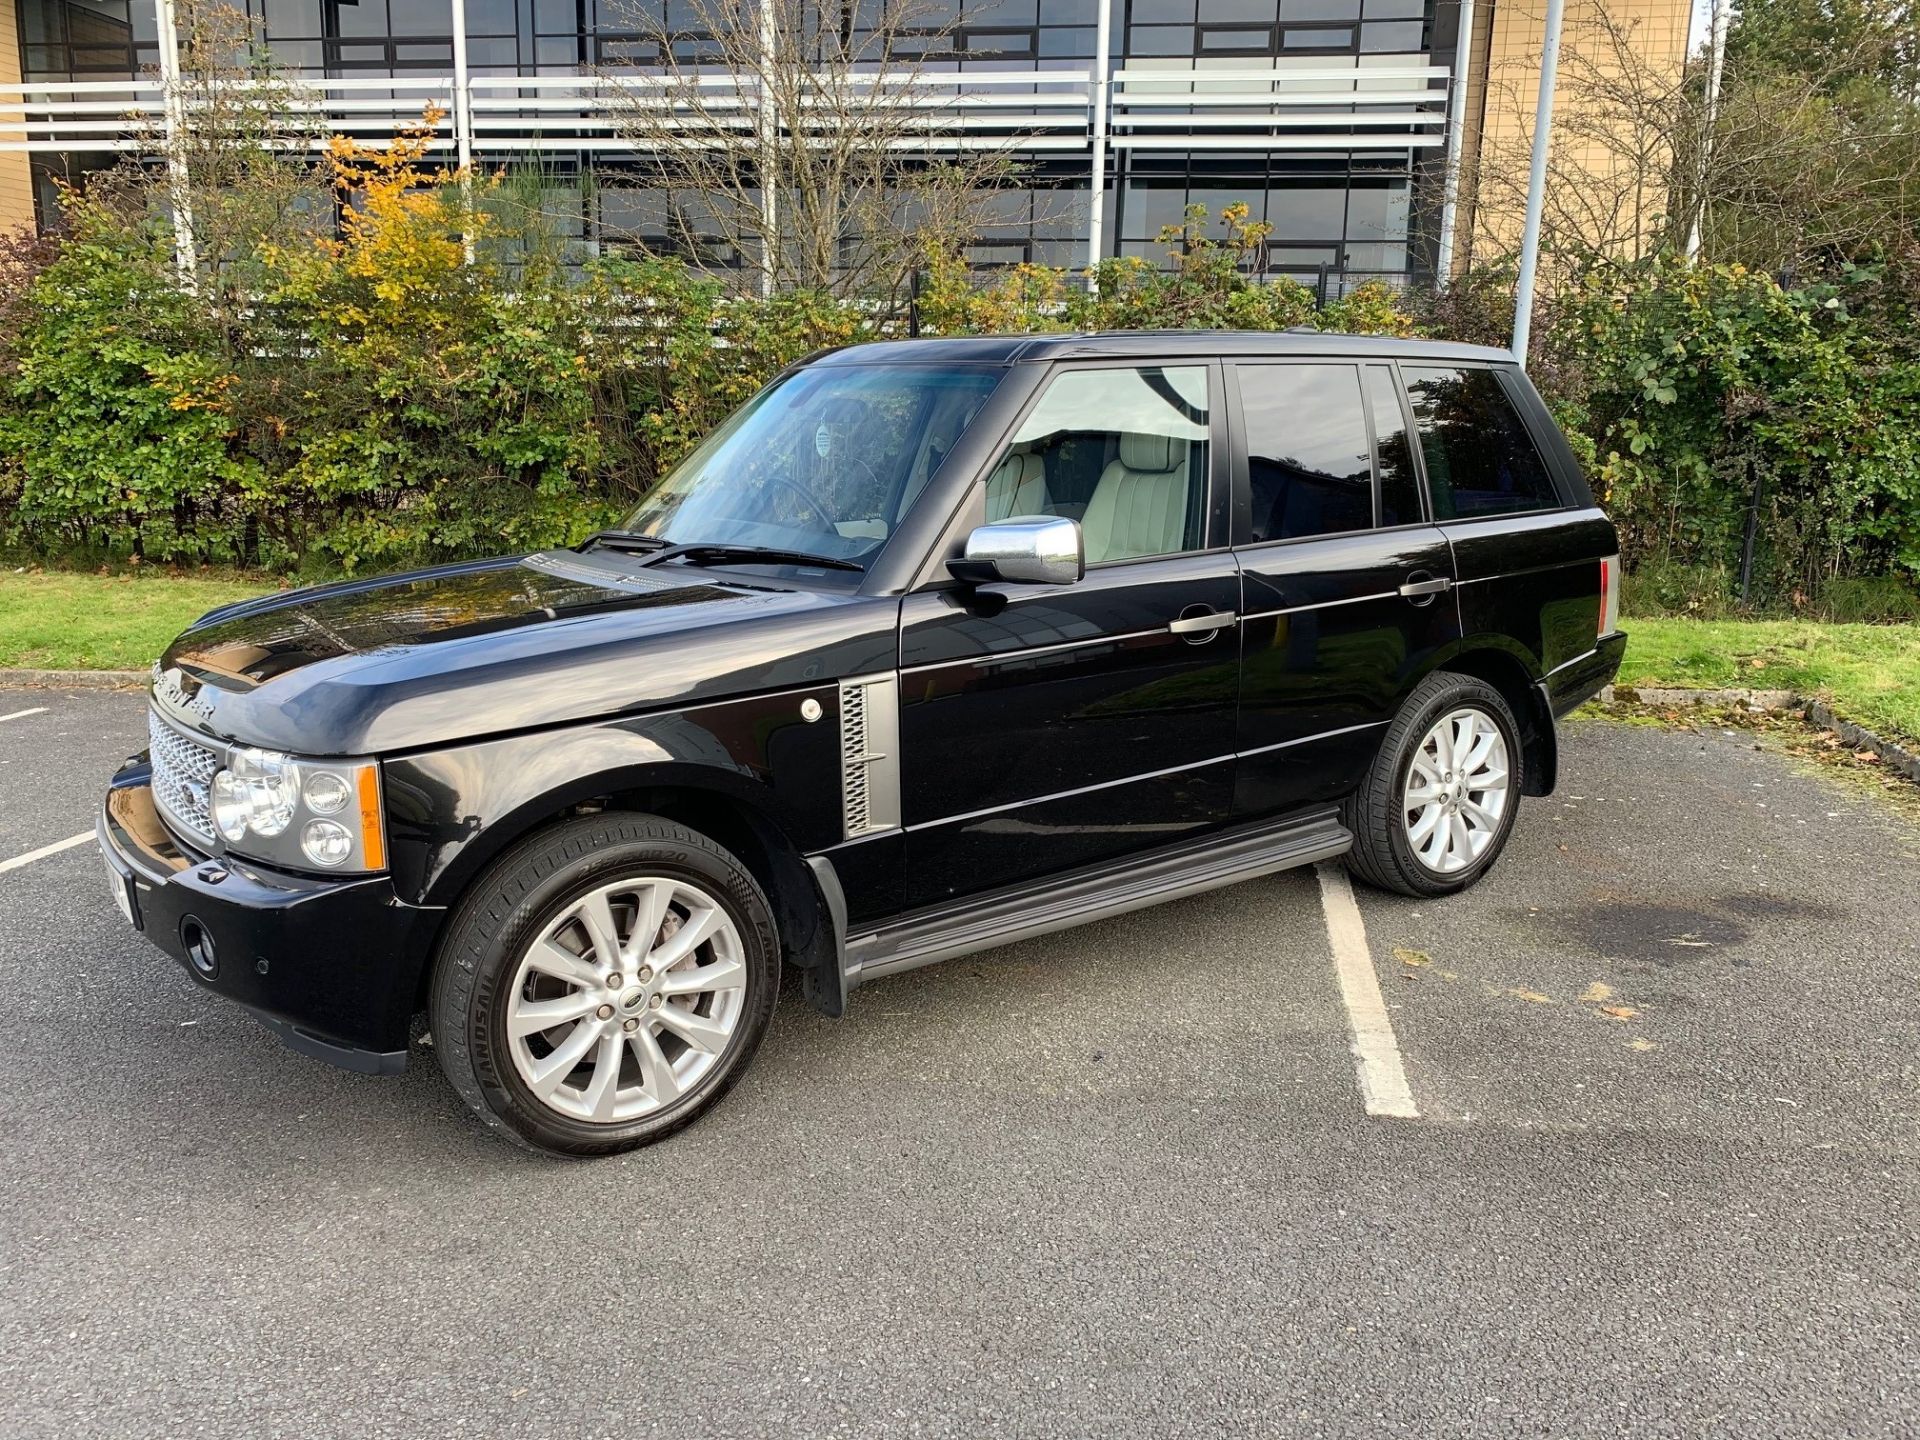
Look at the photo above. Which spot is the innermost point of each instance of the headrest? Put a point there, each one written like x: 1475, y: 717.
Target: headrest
x: 1157, y: 453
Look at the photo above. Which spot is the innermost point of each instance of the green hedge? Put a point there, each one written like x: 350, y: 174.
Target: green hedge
x: 394, y: 394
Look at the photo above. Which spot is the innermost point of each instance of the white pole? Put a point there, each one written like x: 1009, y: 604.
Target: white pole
x: 767, y: 122
x: 463, y: 120
x: 173, y: 105
x: 1102, y: 85
x: 1456, y: 130
x: 1537, y: 183
x: 462, y: 91
x: 1716, y: 66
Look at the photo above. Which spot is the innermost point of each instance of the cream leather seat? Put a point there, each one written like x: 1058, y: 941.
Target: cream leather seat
x: 1140, y: 505
x: 1018, y: 486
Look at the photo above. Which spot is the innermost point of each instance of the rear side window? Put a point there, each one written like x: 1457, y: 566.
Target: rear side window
x: 1309, y: 463
x: 1480, y: 458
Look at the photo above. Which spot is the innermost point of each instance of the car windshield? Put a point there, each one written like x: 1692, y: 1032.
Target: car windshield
x: 825, y: 462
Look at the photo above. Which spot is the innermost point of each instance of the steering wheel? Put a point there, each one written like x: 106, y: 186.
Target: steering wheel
x: 807, y: 498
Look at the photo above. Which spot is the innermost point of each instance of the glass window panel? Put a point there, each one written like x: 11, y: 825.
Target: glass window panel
x: 1309, y: 466
x: 1161, y: 12
x: 1319, y: 9
x: 419, y: 17
x: 1070, y: 12
x: 1382, y: 258
x: 1123, y: 451
x: 1160, y: 40
x: 1392, y: 454
x: 1318, y: 38
x: 1243, y: 10
x: 1394, y: 9
x: 1067, y: 44
x: 1377, y: 212
x: 1216, y: 40
x: 1307, y: 212
x: 491, y: 17
x: 1014, y: 42
x: 1480, y: 459
x: 296, y: 19
x: 1394, y: 36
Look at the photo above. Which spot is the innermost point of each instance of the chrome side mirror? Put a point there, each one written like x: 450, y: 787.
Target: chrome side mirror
x: 1023, y: 550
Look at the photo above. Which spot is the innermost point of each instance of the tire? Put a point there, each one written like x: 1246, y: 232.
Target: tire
x: 1390, y: 850
x: 552, y: 931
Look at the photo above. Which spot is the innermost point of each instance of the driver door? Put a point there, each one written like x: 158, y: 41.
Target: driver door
x: 1047, y: 727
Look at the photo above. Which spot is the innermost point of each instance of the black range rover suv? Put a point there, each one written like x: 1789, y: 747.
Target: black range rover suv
x: 934, y: 645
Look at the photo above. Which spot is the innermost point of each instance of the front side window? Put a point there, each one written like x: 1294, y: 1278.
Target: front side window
x: 1309, y: 463
x: 1480, y: 459
x: 1123, y: 451
x: 824, y: 462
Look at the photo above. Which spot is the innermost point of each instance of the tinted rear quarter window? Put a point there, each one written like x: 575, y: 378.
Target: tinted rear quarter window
x: 1480, y: 458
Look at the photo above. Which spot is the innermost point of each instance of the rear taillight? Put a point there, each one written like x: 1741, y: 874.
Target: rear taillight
x: 1609, y: 595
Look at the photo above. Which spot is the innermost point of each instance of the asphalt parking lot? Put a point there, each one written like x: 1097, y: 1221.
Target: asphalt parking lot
x: 1664, y: 1178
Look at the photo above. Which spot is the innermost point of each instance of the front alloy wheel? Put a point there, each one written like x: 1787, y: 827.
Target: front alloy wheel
x: 628, y: 999
x: 603, y: 983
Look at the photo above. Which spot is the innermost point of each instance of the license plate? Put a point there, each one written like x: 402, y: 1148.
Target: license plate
x: 122, y: 896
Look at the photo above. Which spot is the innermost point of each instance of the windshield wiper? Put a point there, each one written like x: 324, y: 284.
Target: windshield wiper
x: 751, y: 555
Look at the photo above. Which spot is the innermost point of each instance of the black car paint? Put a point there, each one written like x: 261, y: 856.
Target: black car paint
x: 1041, y: 728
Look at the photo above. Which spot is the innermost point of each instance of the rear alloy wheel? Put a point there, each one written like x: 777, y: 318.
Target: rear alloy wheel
x: 1438, y: 803
x: 1455, y: 801
x: 603, y: 983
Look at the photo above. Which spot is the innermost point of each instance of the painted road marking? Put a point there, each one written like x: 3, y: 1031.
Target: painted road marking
x: 1376, y: 1053
x: 45, y: 850
x: 22, y: 714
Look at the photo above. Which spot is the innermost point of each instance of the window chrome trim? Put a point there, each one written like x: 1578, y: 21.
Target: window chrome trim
x: 1319, y: 605
x: 1000, y: 655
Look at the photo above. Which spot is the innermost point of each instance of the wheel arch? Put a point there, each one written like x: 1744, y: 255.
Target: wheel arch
x: 1505, y: 665
x: 733, y: 810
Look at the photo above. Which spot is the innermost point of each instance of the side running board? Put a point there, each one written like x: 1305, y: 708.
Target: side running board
x: 1113, y: 890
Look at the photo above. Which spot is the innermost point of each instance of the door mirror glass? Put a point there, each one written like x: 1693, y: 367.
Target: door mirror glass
x: 1026, y: 550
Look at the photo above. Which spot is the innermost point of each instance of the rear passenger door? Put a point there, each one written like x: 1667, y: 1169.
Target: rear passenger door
x: 1348, y: 582
x: 1528, y: 562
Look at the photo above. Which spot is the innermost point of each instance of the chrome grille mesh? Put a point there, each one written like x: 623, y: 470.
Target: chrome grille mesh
x: 182, y: 776
x: 869, y: 751
x: 853, y: 757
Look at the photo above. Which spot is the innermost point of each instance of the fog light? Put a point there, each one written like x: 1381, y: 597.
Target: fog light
x: 198, y: 944
x: 326, y: 842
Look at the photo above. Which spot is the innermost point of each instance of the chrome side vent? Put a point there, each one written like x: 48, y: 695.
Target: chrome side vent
x: 870, y: 754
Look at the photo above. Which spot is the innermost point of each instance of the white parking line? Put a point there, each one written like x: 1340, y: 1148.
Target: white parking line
x: 45, y: 850
x: 1383, y: 1080
x: 22, y: 714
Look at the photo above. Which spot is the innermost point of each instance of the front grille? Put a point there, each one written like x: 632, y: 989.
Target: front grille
x: 182, y: 776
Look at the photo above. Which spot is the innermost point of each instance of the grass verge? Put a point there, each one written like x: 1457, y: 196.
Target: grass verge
x: 61, y: 621
x: 1870, y: 674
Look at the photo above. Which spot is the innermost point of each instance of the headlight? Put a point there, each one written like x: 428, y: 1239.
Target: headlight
x: 261, y: 794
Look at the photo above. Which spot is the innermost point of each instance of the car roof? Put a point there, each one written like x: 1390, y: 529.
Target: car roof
x: 1152, y: 344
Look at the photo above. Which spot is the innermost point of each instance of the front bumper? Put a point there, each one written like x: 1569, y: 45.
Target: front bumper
x: 331, y: 966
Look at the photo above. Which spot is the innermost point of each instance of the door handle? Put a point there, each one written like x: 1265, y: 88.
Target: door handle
x: 1202, y: 622
x: 1423, y: 585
